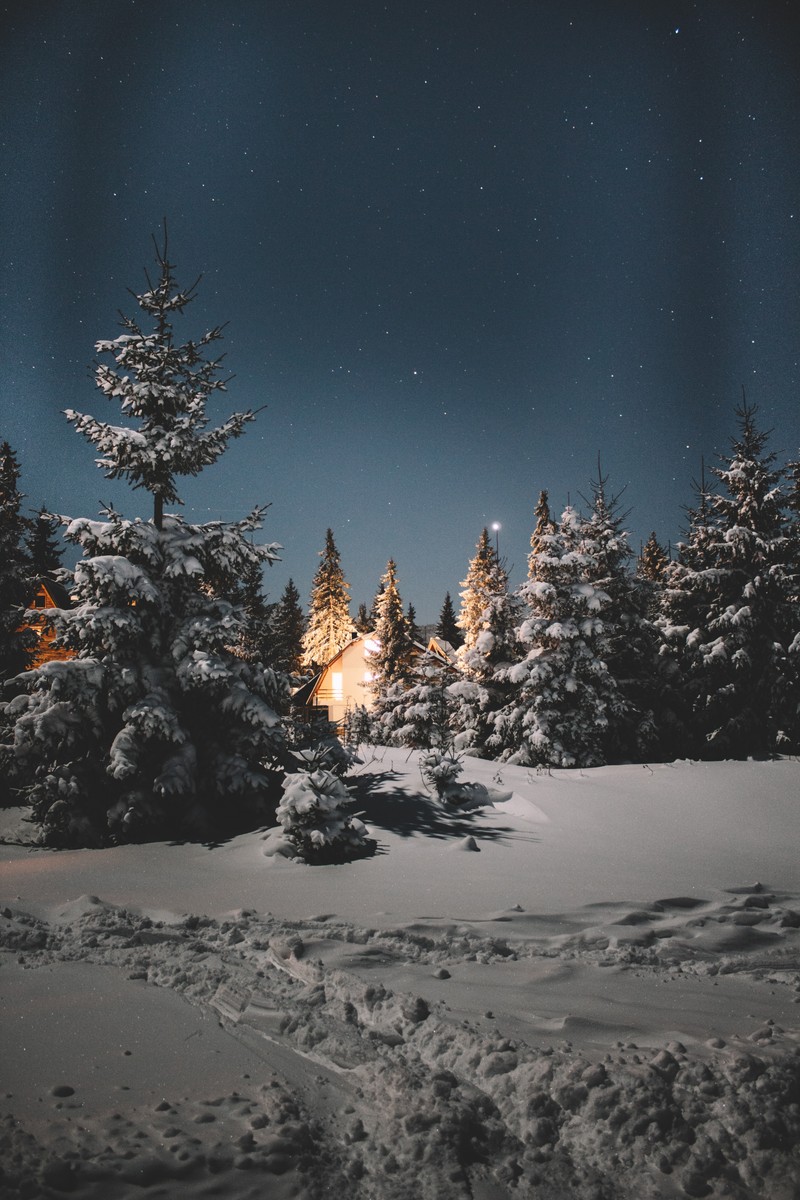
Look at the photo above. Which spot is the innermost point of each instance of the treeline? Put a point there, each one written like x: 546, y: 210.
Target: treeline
x: 601, y: 657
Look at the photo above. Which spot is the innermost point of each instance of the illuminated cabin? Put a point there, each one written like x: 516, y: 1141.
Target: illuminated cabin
x: 48, y: 595
x: 343, y: 685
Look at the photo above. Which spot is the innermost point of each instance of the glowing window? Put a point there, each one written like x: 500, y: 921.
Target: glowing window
x: 336, y: 683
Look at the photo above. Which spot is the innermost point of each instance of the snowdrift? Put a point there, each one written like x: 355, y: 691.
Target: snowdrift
x: 585, y: 987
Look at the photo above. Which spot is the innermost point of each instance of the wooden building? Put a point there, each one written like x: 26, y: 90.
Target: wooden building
x: 49, y: 595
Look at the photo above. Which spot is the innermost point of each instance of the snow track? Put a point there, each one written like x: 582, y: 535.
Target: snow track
x: 326, y: 1078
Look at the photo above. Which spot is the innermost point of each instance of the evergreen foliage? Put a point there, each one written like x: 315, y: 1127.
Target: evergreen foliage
x: 544, y: 526
x: 414, y: 631
x: 489, y: 616
x: 729, y: 601
x: 329, y: 626
x: 159, y: 726
x: 390, y: 663
x: 419, y: 712
x: 16, y: 569
x: 288, y: 628
x: 363, y: 621
x: 313, y: 812
x: 447, y: 629
x: 564, y: 696
x: 44, y: 545
x: 653, y: 561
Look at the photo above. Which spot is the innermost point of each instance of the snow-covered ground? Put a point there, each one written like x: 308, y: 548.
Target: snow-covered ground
x: 588, y: 986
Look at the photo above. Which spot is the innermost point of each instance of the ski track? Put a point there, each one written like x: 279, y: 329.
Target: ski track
x: 362, y: 1081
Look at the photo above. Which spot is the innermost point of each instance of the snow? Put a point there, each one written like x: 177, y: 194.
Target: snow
x: 600, y: 1000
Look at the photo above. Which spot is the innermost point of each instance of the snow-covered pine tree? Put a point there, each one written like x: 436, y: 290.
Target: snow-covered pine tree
x: 739, y: 585
x: 288, y: 627
x: 314, y: 812
x: 489, y: 616
x: 652, y: 562
x: 418, y: 712
x: 563, y: 692
x: 447, y: 629
x: 544, y: 527
x: 156, y: 728
x: 16, y: 571
x: 630, y: 638
x: 390, y: 664
x: 329, y: 626
x: 414, y: 631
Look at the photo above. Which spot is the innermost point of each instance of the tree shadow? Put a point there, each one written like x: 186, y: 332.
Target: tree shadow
x: 408, y: 813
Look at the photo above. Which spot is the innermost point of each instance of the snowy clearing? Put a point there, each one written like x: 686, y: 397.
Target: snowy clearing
x: 587, y: 986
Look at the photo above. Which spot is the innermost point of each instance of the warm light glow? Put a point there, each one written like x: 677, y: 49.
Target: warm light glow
x: 371, y: 646
x: 337, y: 684
x: 497, y: 526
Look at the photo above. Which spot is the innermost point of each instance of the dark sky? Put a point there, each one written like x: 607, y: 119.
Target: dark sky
x: 463, y: 247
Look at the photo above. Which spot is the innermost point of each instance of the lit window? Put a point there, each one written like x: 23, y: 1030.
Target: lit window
x: 336, y: 682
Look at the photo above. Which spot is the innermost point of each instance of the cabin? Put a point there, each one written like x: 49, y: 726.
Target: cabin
x: 343, y: 685
x: 49, y: 595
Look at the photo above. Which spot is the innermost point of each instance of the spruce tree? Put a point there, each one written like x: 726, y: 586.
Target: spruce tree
x: 16, y: 572
x: 545, y: 525
x: 157, y: 727
x: 447, y: 629
x: 489, y: 616
x: 630, y: 638
x: 329, y: 627
x: 288, y: 628
x: 653, y: 561
x: 44, y: 545
x: 414, y: 631
x: 390, y: 663
x: 740, y: 589
x: 563, y: 693
x: 363, y: 622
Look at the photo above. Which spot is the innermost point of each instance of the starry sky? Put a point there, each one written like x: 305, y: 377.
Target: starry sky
x: 463, y: 246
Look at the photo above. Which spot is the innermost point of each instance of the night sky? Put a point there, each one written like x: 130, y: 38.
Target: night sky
x: 463, y: 248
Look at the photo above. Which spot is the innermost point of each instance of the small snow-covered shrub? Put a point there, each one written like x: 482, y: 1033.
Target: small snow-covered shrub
x: 314, y: 816
x: 440, y: 769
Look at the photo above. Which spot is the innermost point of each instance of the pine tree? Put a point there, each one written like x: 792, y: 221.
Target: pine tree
x: 16, y: 571
x: 545, y: 525
x: 288, y: 629
x: 391, y: 662
x: 630, y: 639
x: 329, y: 627
x: 738, y: 583
x: 447, y: 629
x: 375, y: 609
x: 563, y: 693
x: 44, y: 545
x: 414, y: 631
x: 489, y: 616
x: 156, y: 728
x: 483, y: 581
x: 653, y: 561
x: 363, y: 622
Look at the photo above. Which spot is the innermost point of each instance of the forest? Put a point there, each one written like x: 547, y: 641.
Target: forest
x: 169, y: 709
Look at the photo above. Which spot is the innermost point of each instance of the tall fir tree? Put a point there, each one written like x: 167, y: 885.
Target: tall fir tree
x: 447, y: 629
x: 363, y: 621
x: 653, y: 560
x: 390, y: 662
x: 44, y: 545
x: 414, y: 631
x: 734, y: 586
x: 329, y: 626
x: 631, y: 642
x: 563, y: 696
x: 157, y: 727
x: 489, y: 616
x: 289, y: 626
x: 16, y: 572
x: 545, y: 525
